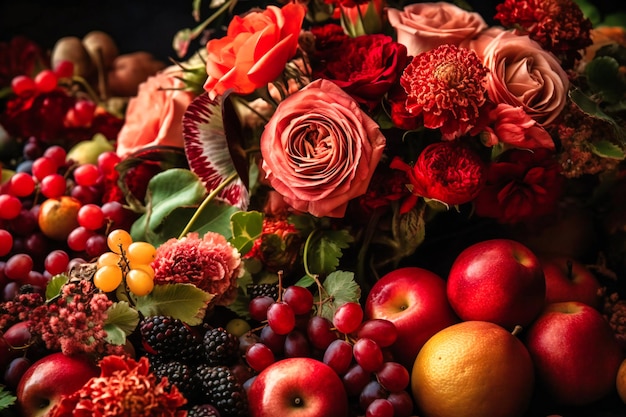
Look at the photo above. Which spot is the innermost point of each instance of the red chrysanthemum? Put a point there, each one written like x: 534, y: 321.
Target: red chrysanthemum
x: 558, y: 25
x: 210, y: 263
x: 125, y: 387
x: 447, y: 87
x: 449, y: 172
x: 521, y: 186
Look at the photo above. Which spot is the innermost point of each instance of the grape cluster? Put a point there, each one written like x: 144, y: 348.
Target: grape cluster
x: 127, y: 262
x: 356, y: 349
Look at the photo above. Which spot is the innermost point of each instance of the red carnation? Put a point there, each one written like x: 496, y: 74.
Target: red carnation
x: 521, y: 186
x: 449, y: 172
x: 558, y: 25
x: 446, y: 86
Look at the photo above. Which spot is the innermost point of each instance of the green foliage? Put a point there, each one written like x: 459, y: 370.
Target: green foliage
x: 55, y: 285
x: 7, y: 399
x: 185, y: 302
x: 121, y: 321
x: 246, y: 227
x: 607, y: 149
x: 339, y: 288
x: 324, y: 250
x: 167, y: 192
x: 605, y: 79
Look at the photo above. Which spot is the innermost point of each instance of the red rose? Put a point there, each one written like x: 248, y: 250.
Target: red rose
x: 449, y: 172
x: 521, y: 186
x: 365, y: 67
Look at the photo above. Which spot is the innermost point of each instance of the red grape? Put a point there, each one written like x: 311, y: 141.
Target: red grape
x: 53, y: 185
x: 320, y: 333
x: 297, y: 345
x: 368, y: 354
x: 84, y: 194
x: 372, y: 391
x: 77, y: 239
x: 338, y: 356
x: 84, y: 112
x: 280, y: 317
x: 348, y: 317
x: 56, y: 262
x: 90, y: 217
x: 259, y: 356
x: 13, y: 373
x: 46, y: 81
x: 18, y: 266
x: 299, y: 298
x: 273, y: 340
x: 380, y: 407
x: 402, y: 403
x: 64, y: 69
x: 96, y: 245
x: 355, y: 380
x: 6, y: 242
x: 86, y: 174
x: 44, y: 166
x: 57, y: 154
x: 381, y: 331
x: 10, y: 206
x: 107, y: 161
x: 25, y: 223
x: 22, y: 184
x: 258, y: 307
x: 10, y: 291
x: 393, y: 376
x: 23, y: 85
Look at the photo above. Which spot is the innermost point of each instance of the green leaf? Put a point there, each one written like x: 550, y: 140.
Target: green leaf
x: 325, y: 250
x: 409, y: 229
x: 54, y: 286
x: 607, y: 149
x: 306, y: 281
x: 240, y: 305
x: 246, y: 227
x: 604, y: 78
x: 185, y: 302
x: 7, y: 399
x: 591, y: 108
x: 304, y: 223
x: 340, y: 288
x: 167, y: 191
x: 121, y: 321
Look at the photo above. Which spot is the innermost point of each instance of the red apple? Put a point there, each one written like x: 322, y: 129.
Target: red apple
x: 575, y: 354
x: 570, y: 280
x: 297, y: 387
x: 49, y: 378
x: 497, y: 280
x: 414, y: 299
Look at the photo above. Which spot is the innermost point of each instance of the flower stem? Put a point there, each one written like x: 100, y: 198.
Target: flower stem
x: 206, y: 201
x: 306, y: 251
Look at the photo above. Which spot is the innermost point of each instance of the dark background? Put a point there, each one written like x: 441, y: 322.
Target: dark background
x: 147, y: 25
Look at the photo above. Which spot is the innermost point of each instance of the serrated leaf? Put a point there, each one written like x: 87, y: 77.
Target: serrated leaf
x: 121, y: 321
x: 246, y: 227
x: 607, y: 149
x: 185, y: 302
x: 590, y: 107
x: 325, y: 250
x: 304, y: 223
x: 167, y: 191
x: 7, y: 399
x: 341, y: 288
x: 54, y: 286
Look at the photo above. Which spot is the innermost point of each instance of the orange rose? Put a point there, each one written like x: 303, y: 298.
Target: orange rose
x: 155, y: 116
x: 254, y: 51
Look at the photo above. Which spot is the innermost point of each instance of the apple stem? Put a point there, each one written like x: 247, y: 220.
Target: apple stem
x: 517, y: 330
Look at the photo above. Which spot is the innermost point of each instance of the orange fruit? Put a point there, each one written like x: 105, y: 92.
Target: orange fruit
x: 473, y: 368
x: 620, y: 383
x: 58, y: 217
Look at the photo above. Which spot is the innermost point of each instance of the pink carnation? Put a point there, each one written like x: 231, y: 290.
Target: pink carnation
x: 210, y: 263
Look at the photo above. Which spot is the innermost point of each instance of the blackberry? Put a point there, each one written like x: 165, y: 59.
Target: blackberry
x: 220, y: 387
x: 177, y: 373
x: 204, y: 410
x: 259, y: 290
x: 221, y: 347
x: 170, y: 338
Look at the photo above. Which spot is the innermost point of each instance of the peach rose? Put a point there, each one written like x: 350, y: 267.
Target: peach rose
x: 155, y: 116
x: 523, y: 74
x: 320, y: 149
x: 425, y: 26
x: 254, y: 51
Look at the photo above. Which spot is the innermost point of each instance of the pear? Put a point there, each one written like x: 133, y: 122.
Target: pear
x: 87, y: 151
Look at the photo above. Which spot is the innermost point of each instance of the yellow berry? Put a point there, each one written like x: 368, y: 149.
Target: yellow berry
x: 118, y: 240
x: 107, y: 278
x: 140, y: 252
x: 139, y: 282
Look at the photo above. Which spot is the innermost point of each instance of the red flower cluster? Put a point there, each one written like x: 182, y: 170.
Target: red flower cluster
x: 446, y: 86
x: 125, y: 387
x: 558, y: 25
x: 449, y: 172
x: 365, y: 67
x: 19, y: 56
x: 521, y: 186
x: 279, y: 245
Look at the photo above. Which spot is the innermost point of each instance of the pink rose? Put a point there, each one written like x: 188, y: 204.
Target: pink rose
x: 523, y: 74
x: 425, y: 26
x: 512, y: 126
x: 320, y: 149
x: 155, y: 116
